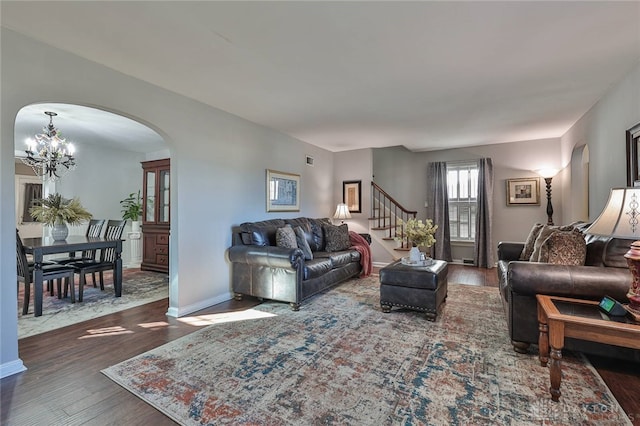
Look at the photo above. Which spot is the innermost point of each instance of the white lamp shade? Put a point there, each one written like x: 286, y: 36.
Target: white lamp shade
x: 342, y: 212
x: 621, y: 215
x: 547, y: 173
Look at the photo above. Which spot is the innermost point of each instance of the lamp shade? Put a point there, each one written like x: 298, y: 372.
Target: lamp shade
x: 547, y: 173
x: 621, y: 215
x: 342, y: 212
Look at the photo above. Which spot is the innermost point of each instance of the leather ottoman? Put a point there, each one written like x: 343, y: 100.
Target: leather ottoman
x: 420, y: 288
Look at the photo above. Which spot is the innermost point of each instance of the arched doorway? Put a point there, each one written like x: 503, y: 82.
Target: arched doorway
x: 109, y: 149
x: 580, y: 184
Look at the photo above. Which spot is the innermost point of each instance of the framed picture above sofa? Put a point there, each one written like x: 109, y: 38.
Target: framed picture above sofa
x: 351, y: 195
x: 282, y: 192
x: 523, y: 191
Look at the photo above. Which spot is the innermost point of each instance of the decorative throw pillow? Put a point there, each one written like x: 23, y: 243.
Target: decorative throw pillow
x: 285, y: 237
x: 564, y: 248
x: 531, y: 240
x: 303, y: 244
x: 336, y: 237
x: 542, y: 236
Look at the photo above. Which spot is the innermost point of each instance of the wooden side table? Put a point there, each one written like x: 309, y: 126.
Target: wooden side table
x: 560, y: 317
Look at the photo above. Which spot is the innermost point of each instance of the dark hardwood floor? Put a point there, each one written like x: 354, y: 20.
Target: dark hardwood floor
x: 63, y: 384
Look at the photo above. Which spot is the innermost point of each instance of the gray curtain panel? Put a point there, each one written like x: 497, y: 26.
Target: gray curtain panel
x: 438, y: 209
x: 483, y: 248
x: 32, y: 191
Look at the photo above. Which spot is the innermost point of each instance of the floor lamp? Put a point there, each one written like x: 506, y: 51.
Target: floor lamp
x: 548, y: 175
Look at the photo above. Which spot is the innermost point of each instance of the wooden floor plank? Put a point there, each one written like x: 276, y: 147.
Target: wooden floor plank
x: 63, y: 384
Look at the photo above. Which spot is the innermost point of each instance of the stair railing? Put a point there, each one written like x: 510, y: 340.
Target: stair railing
x: 387, y: 214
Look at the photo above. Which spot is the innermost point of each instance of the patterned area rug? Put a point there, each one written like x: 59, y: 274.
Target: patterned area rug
x: 138, y: 288
x: 340, y: 360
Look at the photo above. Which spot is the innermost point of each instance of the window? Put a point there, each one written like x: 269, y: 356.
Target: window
x: 462, y: 188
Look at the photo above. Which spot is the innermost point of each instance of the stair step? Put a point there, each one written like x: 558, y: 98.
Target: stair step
x: 381, y: 228
x: 402, y: 249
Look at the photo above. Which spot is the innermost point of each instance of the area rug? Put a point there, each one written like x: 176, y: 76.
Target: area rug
x: 138, y: 288
x: 341, y: 361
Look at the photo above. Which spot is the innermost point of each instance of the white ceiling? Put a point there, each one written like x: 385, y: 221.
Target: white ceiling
x: 80, y: 124
x: 348, y: 75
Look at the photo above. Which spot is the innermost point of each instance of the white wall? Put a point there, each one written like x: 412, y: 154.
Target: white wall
x: 218, y: 166
x: 510, y: 160
x: 354, y: 165
x: 603, y: 129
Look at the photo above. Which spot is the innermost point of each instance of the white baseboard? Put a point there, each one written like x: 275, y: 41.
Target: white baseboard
x: 10, y: 368
x: 189, y: 309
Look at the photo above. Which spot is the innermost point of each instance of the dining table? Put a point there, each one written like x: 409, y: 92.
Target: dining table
x: 42, y: 246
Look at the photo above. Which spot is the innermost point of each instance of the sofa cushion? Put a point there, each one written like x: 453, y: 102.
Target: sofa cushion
x: 260, y: 235
x: 342, y: 258
x: 564, y: 248
x: 336, y: 237
x: 303, y: 244
x: 614, y: 252
x: 286, y: 237
x: 316, y: 268
x: 304, y: 224
x: 531, y: 240
x: 317, y: 242
x: 545, y: 232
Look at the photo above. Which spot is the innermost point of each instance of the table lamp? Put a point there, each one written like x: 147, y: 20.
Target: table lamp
x: 621, y: 219
x: 342, y: 212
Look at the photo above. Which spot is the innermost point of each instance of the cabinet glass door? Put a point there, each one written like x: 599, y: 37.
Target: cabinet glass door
x: 150, y: 200
x: 163, y: 194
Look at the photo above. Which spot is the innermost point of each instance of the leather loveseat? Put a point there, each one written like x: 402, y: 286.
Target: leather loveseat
x: 604, y: 272
x: 262, y: 269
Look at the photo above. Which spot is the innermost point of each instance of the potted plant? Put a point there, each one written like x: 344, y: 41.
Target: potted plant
x: 58, y: 212
x: 132, y: 210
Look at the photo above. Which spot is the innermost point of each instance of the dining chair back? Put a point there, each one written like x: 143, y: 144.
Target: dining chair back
x: 114, y: 231
x: 50, y: 272
x: 93, y: 230
x: 106, y: 261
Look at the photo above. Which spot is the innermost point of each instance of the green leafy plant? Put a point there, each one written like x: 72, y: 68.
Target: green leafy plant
x: 132, y: 206
x: 418, y: 233
x: 56, y: 209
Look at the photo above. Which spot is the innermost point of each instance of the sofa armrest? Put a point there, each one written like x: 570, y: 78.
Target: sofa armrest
x: 581, y: 282
x: 367, y: 237
x: 276, y: 257
x: 508, y: 250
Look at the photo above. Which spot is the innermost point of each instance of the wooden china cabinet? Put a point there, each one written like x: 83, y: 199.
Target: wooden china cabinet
x: 155, y: 215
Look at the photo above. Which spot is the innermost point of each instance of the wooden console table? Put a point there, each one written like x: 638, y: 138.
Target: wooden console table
x: 561, y: 317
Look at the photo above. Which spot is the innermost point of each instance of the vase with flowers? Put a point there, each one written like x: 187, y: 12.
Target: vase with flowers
x: 58, y: 212
x: 418, y: 234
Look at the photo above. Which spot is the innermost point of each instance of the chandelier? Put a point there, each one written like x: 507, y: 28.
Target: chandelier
x: 49, y: 155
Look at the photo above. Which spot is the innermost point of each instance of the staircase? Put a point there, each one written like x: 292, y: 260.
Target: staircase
x: 385, y: 222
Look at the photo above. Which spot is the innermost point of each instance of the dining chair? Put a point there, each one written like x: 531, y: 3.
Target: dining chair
x: 31, y: 263
x: 93, y: 230
x: 50, y: 272
x: 106, y: 261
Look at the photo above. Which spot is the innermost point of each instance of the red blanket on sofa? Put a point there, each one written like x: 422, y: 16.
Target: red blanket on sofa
x: 362, y: 246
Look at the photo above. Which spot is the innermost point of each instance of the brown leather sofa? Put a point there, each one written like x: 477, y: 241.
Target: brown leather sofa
x: 605, y: 273
x: 262, y: 269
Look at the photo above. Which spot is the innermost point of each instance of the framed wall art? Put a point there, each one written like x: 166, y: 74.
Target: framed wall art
x: 523, y: 191
x: 283, y: 191
x: 633, y: 156
x: 352, y: 194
